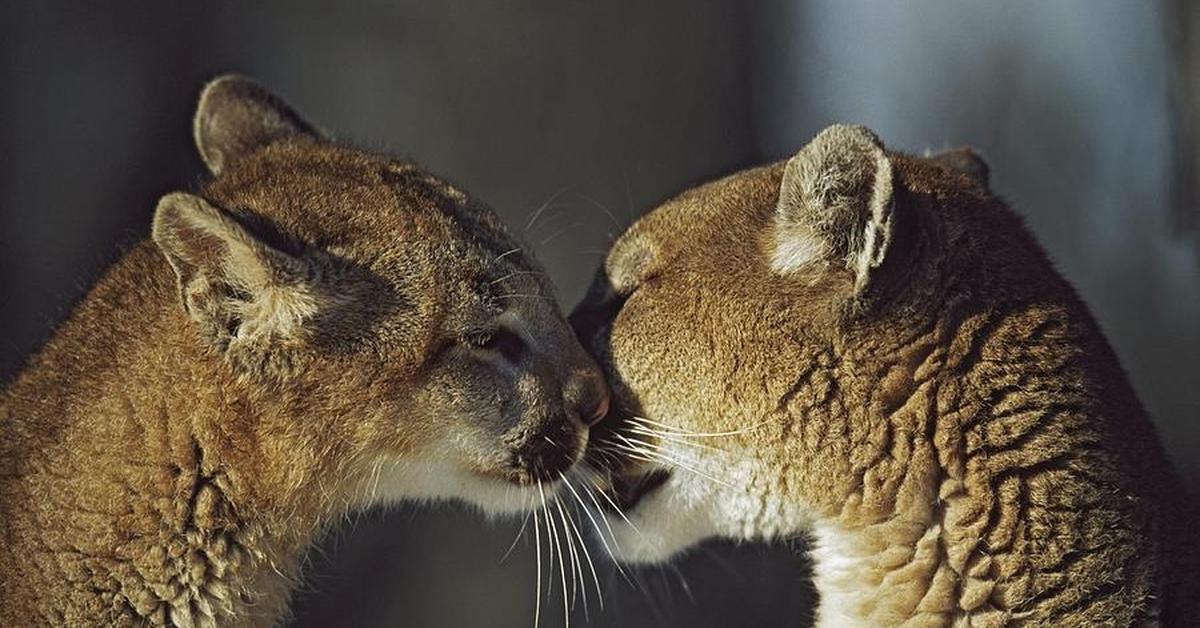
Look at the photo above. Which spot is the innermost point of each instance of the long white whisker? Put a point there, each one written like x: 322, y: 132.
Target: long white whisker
x: 617, y: 509
x: 677, y: 431
x: 576, y: 567
x: 587, y: 555
x: 549, y: 542
x: 643, y: 457
x: 638, y: 429
x: 562, y: 567
x: 660, y: 457
x: 537, y: 585
x: 587, y: 512
x: 583, y: 544
x: 520, y: 533
x: 616, y: 223
x: 544, y: 206
x: 657, y: 454
x: 515, y: 273
x: 516, y: 295
x: 506, y: 254
x: 687, y: 588
x: 591, y: 479
x: 559, y: 232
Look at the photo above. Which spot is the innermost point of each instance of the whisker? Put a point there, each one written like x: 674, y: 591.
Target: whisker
x: 525, y: 296
x: 521, y: 294
x: 616, y: 223
x: 586, y: 553
x: 514, y: 274
x: 672, y: 438
x: 606, y: 454
x: 618, y: 510
x: 506, y: 254
x: 576, y: 568
x: 629, y: 210
x: 676, y: 431
x: 641, y: 456
x: 562, y: 568
x: 591, y: 478
x: 656, y: 454
x: 537, y: 584
x: 544, y: 206
x: 687, y: 588
x: 559, y: 232
x: 549, y: 542
x: 520, y: 533
x: 587, y: 512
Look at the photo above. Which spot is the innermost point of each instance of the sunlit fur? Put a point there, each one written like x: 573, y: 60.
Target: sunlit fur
x: 900, y: 375
x: 301, y: 338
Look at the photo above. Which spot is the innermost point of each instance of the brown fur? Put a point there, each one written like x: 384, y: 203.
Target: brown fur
x: 870, y: 348
x: 317, y: 330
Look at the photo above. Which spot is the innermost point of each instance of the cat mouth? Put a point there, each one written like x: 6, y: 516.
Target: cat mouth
x: 628, y: 490
x: 625, y: 477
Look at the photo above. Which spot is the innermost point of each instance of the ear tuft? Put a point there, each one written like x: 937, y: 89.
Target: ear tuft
x: 835, y: 204
x: 237, y: 116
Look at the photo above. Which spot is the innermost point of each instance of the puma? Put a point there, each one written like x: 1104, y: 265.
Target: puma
x: 316, y: 330
x: 870, y: 349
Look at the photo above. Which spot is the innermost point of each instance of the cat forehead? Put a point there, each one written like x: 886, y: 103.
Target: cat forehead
x: 335, y: 195
x: 302, y: 167
x: 704, y: 226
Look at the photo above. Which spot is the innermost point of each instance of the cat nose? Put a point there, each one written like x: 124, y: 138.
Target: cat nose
x: 599, y: 412
x: 588, y: 396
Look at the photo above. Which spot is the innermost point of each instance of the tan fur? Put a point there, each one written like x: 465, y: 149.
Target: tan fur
x: 870, y: 349
x: 315, y: 331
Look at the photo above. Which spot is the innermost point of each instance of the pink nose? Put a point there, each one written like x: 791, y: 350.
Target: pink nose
x: 601, y: 411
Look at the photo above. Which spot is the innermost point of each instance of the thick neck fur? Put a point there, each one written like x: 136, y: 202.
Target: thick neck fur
x: 141, y: 482
x: 985, y: 480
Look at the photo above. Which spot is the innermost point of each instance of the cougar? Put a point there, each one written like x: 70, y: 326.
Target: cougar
x: 869, y: 349
x: 315, y: 330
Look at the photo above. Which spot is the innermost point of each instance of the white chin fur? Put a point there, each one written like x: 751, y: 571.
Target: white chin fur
x: 730, y: 495
x: 436, y: 480
x: 661, y: 526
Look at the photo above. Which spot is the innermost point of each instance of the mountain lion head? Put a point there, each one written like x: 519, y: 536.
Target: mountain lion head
x: 420, y: 341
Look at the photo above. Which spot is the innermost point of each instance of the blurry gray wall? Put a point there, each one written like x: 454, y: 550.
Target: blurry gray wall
x: 601, y: 110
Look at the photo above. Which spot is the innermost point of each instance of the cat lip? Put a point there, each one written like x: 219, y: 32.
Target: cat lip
x: 628, y: 491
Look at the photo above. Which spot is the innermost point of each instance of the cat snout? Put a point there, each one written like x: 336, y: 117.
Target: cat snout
x: 586, y: 394
x: 545, y: 454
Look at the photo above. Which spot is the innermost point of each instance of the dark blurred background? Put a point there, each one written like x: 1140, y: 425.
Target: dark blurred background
x: 1086, y: 110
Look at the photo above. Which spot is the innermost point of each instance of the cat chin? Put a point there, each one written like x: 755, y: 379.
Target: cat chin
x: 658, y: 528
x: 439, y: 480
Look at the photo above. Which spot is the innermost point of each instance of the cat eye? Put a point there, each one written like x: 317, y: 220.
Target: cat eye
x: 502, y: 341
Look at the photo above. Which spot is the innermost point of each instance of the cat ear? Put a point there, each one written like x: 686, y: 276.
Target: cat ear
x: 248, y: 299
x: 836, y: 205
x: 237, y: 116
x: 966, y: 161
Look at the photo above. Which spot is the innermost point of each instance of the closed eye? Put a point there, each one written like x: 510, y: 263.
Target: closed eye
x: 505, y: 342
x: 599, y: 307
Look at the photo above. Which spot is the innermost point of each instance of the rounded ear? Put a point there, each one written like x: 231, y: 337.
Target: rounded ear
x: 237, y: 116
x: 966, y: 161
x: 248, y: 299
x: 836, y: 205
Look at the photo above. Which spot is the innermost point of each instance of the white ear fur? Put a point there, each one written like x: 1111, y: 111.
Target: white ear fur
x: 247, y: 297
x: 835, y: 204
